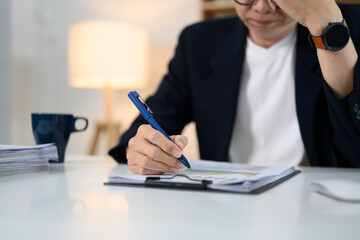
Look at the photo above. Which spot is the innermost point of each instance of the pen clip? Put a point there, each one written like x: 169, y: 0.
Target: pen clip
x: 143, y: 102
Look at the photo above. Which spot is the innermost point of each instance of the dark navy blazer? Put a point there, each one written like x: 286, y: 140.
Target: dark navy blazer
x: 202, y: 85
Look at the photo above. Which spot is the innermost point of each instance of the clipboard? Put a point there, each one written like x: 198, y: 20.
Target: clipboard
x: 199, y: 185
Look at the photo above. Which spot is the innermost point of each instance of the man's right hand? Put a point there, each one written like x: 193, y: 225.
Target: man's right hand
x: 150, y: 152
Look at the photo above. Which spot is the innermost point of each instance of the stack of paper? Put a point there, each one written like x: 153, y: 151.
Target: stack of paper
x: 21, y: 159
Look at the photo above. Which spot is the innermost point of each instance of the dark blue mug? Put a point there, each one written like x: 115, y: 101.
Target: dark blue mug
x: 55, y: 128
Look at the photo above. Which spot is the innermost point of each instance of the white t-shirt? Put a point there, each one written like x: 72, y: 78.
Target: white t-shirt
x: 266, y: 130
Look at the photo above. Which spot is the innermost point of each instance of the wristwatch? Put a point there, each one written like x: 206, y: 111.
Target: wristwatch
x: 334, y: 38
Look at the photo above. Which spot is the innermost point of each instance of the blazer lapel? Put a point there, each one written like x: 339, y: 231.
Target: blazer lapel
x: 307, y: 92
x: 220, y: 92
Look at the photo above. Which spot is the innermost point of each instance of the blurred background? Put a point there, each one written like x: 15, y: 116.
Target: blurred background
x: 34, y: 53
x: 34, y: 63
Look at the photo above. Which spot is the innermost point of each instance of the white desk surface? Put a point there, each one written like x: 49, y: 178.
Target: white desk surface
x: 71, y: 202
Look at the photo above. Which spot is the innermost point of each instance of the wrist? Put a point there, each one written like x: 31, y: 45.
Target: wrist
x: 317, y: 24
x: 318, y: 30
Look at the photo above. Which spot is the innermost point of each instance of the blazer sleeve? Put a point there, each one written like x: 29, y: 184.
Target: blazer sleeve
x: 345, y: 113
x: 171, y: 104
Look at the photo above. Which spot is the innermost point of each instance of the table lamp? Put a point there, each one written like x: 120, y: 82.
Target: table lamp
x: 108, y: 55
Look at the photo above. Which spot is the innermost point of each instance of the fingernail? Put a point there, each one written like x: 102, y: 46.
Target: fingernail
x: 173, y: 170
x: 180, y: 165
x: 176, y: 153
x: 182, y: 145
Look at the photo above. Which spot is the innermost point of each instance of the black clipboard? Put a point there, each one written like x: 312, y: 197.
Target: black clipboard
x: 198, y: 185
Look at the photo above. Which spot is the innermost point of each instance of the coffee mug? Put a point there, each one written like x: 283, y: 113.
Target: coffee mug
x: 55, y: 128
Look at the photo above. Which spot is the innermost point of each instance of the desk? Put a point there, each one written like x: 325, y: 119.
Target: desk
x: 71, y: 202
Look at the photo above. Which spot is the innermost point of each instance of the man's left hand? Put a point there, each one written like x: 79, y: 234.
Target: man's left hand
x: 313, y: 14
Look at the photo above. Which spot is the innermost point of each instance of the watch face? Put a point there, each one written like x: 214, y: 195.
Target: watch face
x: 336, y: 37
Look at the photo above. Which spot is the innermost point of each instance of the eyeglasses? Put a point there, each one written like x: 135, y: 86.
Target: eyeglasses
x: 251, y: 2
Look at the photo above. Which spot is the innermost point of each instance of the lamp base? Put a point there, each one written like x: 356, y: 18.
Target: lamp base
x: 112, y: 131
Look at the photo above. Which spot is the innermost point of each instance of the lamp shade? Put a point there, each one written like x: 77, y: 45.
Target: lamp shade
x: 107, y: 54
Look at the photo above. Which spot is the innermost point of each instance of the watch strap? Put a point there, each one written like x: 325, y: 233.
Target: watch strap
x: 317, y: 41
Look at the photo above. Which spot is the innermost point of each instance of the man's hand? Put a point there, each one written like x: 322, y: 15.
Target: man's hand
x: 150, y: 152
x: 337, y: 67
x: 313, y: 14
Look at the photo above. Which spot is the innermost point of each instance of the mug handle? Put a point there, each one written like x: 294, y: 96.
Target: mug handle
x: 86, y: 124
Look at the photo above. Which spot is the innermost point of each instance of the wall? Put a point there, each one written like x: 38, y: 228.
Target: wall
x: 5, y: 72
x: 40, y: 62
x: 24, y: 66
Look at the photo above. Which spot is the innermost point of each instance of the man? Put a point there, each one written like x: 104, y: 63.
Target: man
x: 257, y: 91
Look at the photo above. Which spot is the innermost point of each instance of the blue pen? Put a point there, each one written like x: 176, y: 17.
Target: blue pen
x: 147, y: 114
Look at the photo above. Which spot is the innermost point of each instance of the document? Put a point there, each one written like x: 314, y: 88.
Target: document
x: 15, y: 159
x: 214, y: 176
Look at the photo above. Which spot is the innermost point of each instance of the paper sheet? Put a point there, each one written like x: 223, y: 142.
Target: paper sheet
x: 217, y: 172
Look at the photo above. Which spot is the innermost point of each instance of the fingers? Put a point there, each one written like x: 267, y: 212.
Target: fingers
x: 146, y: 162
x: 139, y: 170
x: 181, y: 141
x: 150, y: 152
x: 145, y: 165
x: 158, y: 139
